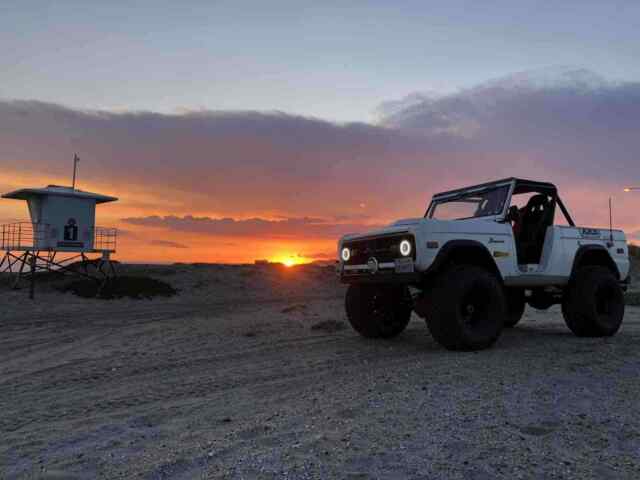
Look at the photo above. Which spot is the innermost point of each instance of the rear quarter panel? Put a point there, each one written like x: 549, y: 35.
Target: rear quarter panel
x: 575, y: 237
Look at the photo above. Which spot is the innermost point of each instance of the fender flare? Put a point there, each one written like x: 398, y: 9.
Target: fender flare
x: 599, y: 250
x: 447, y: 251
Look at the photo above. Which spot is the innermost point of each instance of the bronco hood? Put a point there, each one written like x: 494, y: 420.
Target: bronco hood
x: 407, y: 221
x: 400, y: 226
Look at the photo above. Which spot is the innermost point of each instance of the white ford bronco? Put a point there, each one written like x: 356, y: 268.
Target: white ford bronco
x: 476, y: 258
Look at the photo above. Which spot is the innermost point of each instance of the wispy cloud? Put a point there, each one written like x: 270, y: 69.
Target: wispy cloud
x: 305, y: 227
x: 319, y: 255
x: 167, y: 244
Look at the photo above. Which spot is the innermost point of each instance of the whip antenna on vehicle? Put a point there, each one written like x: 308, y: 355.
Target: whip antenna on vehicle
x: 610, y: 223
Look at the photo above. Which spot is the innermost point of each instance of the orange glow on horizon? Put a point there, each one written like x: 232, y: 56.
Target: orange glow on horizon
x: 156, y: 244
x: 139, y: 244
x: 290, y: 260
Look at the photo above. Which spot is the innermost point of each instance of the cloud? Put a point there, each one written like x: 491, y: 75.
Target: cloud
x: 568, y: 126
x: 353, y: 218
x: 232, y: 163
x: 123, y: 232
x: 319, y: 256
x: 193, y: 169
x: 306, y: 227
x: 167, y: 244
x: 565, y: 121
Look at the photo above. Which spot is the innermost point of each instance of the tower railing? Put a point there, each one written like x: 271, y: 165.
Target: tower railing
x: 22, y: 235
x: 33, y: 236
x: 105, y: 238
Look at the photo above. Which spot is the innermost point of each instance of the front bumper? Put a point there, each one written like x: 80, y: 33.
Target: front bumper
x: 401, y: 270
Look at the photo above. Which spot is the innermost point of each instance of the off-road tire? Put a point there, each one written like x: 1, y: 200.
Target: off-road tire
x: 469, y: 308
x: 593, y: 305
x: 378, y: 311
x: 516, y: 304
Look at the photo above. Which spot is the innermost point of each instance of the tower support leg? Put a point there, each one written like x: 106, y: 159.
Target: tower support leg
x: 22, y: 260
x: 32, y: 283
x: 19, y: 265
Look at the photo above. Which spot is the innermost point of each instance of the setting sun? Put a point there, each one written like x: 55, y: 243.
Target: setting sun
x: 290, y: 260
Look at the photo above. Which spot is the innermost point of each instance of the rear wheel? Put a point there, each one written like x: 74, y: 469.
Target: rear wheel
x: 515, y: 306
x: 593, y: 305
x: 378, y: 311
x: 469, y: 309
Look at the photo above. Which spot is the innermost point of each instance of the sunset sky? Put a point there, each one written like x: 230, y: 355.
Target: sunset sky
x: 234, y: 131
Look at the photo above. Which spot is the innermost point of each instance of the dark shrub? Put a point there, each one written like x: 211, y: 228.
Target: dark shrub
x: 119, y: 287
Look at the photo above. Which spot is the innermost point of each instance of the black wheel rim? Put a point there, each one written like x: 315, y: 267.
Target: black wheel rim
x: 474, y: 307
x: 381, y: 310
x: 605, y: 300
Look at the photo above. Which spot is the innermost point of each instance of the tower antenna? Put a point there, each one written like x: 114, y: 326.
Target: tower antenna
x: 76, y: 160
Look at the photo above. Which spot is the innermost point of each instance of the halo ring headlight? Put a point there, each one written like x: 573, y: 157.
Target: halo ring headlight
x: 345, y: 254
x: 405, y: 248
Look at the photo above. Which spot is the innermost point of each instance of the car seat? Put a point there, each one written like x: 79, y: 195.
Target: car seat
x: 535, y: 218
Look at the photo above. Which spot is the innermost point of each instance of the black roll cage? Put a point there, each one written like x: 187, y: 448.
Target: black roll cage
x: 517, y: 186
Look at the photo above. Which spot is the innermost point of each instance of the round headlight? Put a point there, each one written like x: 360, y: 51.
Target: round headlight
x: 405, y: 248
x: 345, y: 254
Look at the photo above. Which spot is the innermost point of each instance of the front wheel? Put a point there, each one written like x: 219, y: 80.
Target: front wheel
x: 378, y: 311
x: 593, y: 305
x: 469, y: 309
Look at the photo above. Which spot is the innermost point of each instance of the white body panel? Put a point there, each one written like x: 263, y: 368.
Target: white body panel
x: 554, y: 269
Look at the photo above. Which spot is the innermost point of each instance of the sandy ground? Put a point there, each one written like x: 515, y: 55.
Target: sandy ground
x: 237, y: 378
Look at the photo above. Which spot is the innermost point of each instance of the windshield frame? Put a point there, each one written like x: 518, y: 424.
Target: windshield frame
x: 444, y: 198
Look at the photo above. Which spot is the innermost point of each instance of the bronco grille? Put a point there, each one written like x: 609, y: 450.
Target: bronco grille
x: 384, y: 248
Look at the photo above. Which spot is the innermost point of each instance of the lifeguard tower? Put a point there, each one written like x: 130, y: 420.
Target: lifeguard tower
x: 62, y: 222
